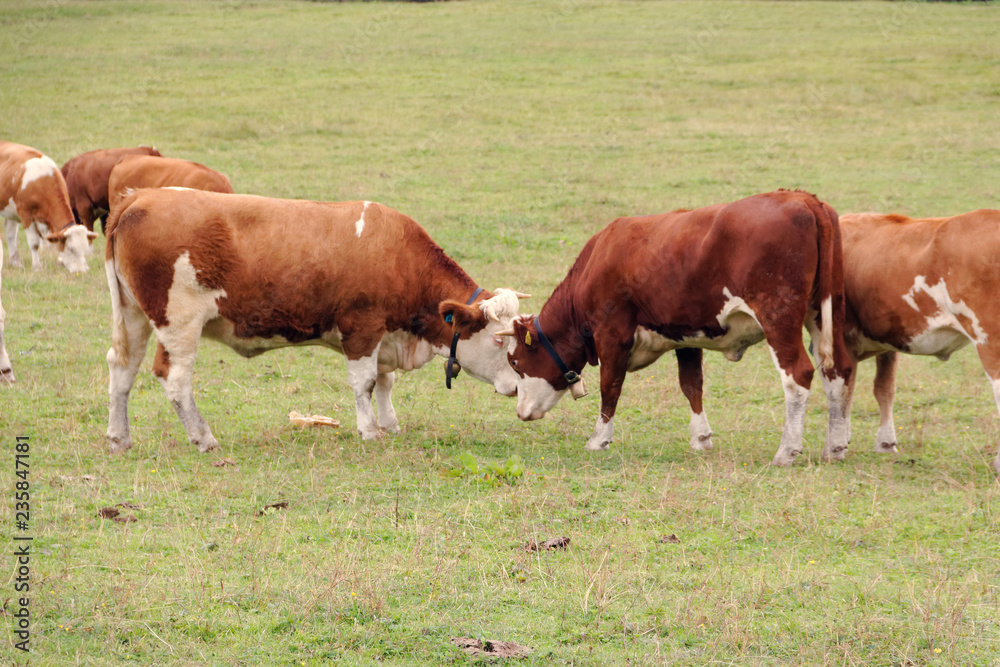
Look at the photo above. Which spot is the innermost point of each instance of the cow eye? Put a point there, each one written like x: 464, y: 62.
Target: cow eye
x: 513, y: 363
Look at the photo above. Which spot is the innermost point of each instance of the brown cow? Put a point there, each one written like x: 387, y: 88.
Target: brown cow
x: 921, y: 286
x: 142, y: 171
x: 718, y: 278
x: 87, y: 178
x: 357, y: 277
x: 33, y: 195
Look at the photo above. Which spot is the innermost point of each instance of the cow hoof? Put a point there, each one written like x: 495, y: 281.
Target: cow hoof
x: 391, y: 430
x: 370, y: 435
x: 208, y: 445
x: 835, y: 454
x: 601, y: 446
x: 702, y: 443
x: 119, y: 445
x: 783, y: 461
x: 886, y: 448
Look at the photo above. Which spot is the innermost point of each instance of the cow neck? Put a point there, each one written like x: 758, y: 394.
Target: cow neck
x: 431, y: 326
x: 452, y: 367
x: 564, y: 337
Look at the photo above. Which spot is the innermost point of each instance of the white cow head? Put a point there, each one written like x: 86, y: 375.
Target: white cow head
x: 74, y: 242
x: 481, y: 352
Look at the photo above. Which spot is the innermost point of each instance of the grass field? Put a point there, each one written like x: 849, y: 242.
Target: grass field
x: 512, y: 131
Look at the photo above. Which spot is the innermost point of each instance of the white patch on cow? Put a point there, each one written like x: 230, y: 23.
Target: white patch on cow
x: 701, y: 432
x: 10, y: 211
x: 647, y: 348
x: 796, y: 398
x: 36, y: 168
x: 604, y: 429
x: 403, y: 351
x: 743, y: 327
x: 535, y: 397
x: 129, y: 191
x: 359, y: 226
x: 944, y: 333
x: 189, y: 303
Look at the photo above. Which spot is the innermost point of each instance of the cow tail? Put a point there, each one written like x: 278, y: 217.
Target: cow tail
x: 119, y: 351
x: 827, y: 293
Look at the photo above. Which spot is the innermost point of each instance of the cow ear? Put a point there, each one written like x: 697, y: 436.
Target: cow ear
x: 523, y: 335
x: 58, y: 238
x: 462, y: 317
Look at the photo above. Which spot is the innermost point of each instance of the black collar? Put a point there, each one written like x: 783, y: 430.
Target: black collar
x: 452, y: 361
x: 571, y: 377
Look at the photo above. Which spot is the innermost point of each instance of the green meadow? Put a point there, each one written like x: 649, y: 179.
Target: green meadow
x: 512, y: 131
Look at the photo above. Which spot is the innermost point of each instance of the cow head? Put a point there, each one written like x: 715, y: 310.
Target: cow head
x: 73, y: 243
x: 540, y: 382
x: 481, y: 351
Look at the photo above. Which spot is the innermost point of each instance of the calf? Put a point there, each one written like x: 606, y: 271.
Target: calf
x: 143, y: 171
x: 921, y: 286
x: 717, y: 278
x: 257, y: 274
x: 33, y: 195
x: 87, y: 178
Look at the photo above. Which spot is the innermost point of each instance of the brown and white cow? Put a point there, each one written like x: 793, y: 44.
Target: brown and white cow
x: 87, y: 177
x: 143, y: 171
x: 921, y: 286
x: 357, y: 277
x: 717, y: 278
x: 33, y: 195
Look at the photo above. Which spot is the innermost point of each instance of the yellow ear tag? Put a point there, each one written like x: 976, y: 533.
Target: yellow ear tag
x: 527, y: 338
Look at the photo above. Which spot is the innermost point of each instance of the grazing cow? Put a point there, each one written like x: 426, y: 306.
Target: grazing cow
x: 357, y: 277
x: 717, y: 278
x: 33, y: 195
x: 143, y: 171
x: 87, y: 178
x: 921, y: 286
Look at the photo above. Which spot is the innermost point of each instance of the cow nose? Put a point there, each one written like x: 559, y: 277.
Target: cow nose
x: 530, y: 416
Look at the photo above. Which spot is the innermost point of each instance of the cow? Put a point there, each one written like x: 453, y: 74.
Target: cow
x: 720, y: 278
x: 33, y: 195
x: 87, y: 178
x: 257, y: 274
x: 143, y: 171
x: 920, y: 286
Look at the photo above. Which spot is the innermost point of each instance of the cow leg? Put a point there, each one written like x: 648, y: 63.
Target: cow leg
x: 84, y: 211
x: 989, y: 355
x: 885, y: 392
x: 123, y: 365
x: 11, y: 229
x: 174, y: 364
x: 34, y: 244
x: 362, y: 375
x: 387, y: 419
x: 6, y: 370
x: 796, y: 371
x: 614, y: 363
x: 689, y: 370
